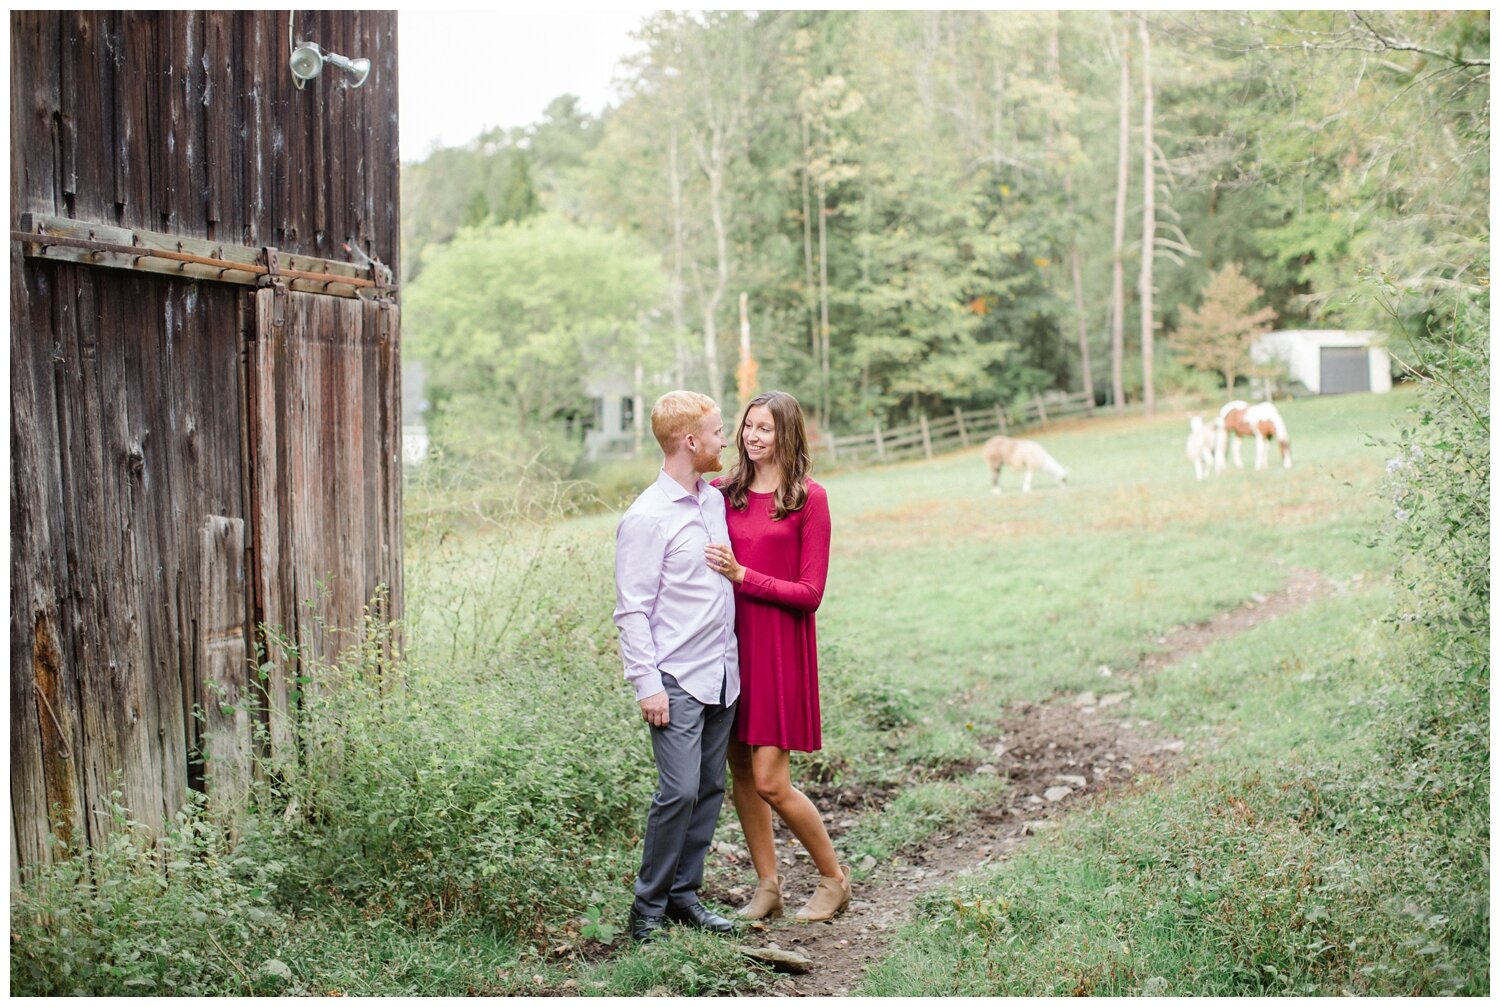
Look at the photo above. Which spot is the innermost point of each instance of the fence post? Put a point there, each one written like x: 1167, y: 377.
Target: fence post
x: 1000, y: 417
x: 926, y: 437
x: 1041, y: 411
x: 963, y: 433
x: 833, y: 445
x: 879, y: 443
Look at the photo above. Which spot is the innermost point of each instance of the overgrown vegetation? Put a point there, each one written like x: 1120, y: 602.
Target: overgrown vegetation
x: 467, y: 819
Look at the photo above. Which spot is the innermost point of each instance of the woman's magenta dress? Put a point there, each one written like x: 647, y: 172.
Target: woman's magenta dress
x: 786, y: 567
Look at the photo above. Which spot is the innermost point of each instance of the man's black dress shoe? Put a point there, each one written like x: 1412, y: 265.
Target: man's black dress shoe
x: 643, y: 927
x: 697, y: 916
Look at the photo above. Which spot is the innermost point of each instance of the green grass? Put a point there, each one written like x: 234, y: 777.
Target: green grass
x: 1276, y: 865
x: 1293, y: 857
x: 494, y: 792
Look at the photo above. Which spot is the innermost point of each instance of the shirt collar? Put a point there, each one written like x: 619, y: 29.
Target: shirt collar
x: 673, y: 489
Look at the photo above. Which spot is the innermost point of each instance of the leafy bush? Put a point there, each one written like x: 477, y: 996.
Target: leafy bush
x: 1440, y: 743
x: 507, y: 791
x: 186, y: 915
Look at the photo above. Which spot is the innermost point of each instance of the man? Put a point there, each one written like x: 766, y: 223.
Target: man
x: 676, y: 621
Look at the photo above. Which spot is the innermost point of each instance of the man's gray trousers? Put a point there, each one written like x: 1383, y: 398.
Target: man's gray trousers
x: 690, y: 753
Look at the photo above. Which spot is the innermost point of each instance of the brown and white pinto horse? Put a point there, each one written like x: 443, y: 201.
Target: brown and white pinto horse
x: 1260, y: 421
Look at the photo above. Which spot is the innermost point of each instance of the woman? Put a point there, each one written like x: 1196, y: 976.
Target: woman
x: 777, y: 558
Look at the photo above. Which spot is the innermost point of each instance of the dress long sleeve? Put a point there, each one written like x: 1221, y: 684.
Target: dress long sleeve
x: 805, y: 593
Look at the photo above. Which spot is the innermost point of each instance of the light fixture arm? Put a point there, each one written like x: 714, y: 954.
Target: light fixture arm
x: 307, y: 62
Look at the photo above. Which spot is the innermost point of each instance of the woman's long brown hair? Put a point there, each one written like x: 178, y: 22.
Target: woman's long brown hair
x: 790, y: 452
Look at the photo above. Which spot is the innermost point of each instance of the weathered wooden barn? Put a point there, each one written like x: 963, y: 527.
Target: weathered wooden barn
x: 205, y: 393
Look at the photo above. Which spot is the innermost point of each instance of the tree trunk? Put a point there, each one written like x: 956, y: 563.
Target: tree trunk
x: 1083, y: 330
x: 826, y: 406
x: 678, y: 297
x: 713, y: 168
x: 1122, y: 182
x: 807, y: 248
x: 1148, y: 224
x: 1054, y: 67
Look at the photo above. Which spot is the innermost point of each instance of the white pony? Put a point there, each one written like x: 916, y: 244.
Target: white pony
x: 1202, y: 441
x: 1025, y: 455
x: 1260, y: 421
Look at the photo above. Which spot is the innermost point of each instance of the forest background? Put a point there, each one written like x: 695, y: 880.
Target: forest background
x: 935, y: 210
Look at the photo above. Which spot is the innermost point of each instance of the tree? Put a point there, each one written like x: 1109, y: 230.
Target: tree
x: 1216, y: 336
x: 512, y: 318
x: 1148, y: 222
x: 1117, y: 283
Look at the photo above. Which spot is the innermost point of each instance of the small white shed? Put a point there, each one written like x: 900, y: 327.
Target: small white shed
x: 1328, y: 361
x: 617, y: 426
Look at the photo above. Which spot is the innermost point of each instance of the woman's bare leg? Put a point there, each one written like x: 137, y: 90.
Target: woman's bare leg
x: 771, y: 768
x: 755, y: 814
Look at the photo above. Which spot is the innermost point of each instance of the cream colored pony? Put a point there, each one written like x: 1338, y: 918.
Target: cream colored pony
x: 1028, y: 456
x: 1202, y: 440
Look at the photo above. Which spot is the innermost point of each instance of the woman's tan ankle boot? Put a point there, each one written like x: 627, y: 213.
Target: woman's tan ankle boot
x: 767, y: 901
x: 831, y: 898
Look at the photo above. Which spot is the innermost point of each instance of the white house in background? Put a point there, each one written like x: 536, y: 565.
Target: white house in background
x: 413, y: 409
x: 612, y: 434
x: 1328, y: 361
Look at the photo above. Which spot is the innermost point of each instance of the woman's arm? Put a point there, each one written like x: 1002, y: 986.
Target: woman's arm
x: 805, y: 593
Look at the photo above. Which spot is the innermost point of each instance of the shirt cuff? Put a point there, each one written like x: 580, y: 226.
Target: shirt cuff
x: 648, y: 684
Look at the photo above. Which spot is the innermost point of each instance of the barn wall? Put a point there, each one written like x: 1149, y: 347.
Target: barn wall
x: 139, y: 445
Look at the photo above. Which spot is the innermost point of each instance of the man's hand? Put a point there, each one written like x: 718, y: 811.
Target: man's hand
x: 654, y: 710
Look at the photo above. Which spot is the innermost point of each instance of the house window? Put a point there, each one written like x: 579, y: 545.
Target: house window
x: 627, y: 413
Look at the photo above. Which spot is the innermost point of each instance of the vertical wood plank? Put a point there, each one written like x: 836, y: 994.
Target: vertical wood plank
x: 70, y: 67
x: 46, y: 793
x: 392, y: 559
x: 35, y: 98
x: 271, y: 520
x: 136, y: 122
x: 142, y: 327
x: 254, y: 117
x: 217, y: 109
x: 222, y: 663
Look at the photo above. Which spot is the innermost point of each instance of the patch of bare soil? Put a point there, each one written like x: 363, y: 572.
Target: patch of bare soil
x: 1302, y: 587
x: 1055, y: 755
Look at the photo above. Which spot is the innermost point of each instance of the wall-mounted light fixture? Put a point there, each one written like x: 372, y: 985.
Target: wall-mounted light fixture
x: 308, y: 59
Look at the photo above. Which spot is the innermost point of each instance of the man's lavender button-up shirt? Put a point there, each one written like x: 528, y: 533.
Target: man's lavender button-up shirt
x: 675, y: 614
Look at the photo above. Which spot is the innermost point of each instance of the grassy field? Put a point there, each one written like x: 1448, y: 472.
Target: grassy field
x: 483, y: 832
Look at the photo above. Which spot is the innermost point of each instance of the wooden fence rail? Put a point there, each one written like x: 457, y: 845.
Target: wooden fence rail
x: 928, y: 437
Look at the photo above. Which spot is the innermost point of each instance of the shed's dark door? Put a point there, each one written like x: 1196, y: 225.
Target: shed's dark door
x: 325, y: 474
x: 1343, y: 369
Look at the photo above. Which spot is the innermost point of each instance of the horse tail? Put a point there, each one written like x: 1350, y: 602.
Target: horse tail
x: 1283, y: 438
x: 1280, y: 424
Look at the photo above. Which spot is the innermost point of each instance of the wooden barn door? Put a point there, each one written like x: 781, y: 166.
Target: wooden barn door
x: 325, y: 478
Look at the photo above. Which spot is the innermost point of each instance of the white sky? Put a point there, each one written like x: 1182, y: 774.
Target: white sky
x: 462, y: 71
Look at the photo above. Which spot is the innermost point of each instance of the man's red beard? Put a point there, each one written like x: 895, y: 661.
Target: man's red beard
x: 706, y: 461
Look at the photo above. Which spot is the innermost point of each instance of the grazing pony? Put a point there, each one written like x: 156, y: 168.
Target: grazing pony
x: 1202, y: 440
x: 1025, y: 455
x: 1260, y: 421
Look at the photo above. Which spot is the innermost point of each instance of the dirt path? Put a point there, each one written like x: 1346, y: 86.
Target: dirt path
x: 1055, y: 755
